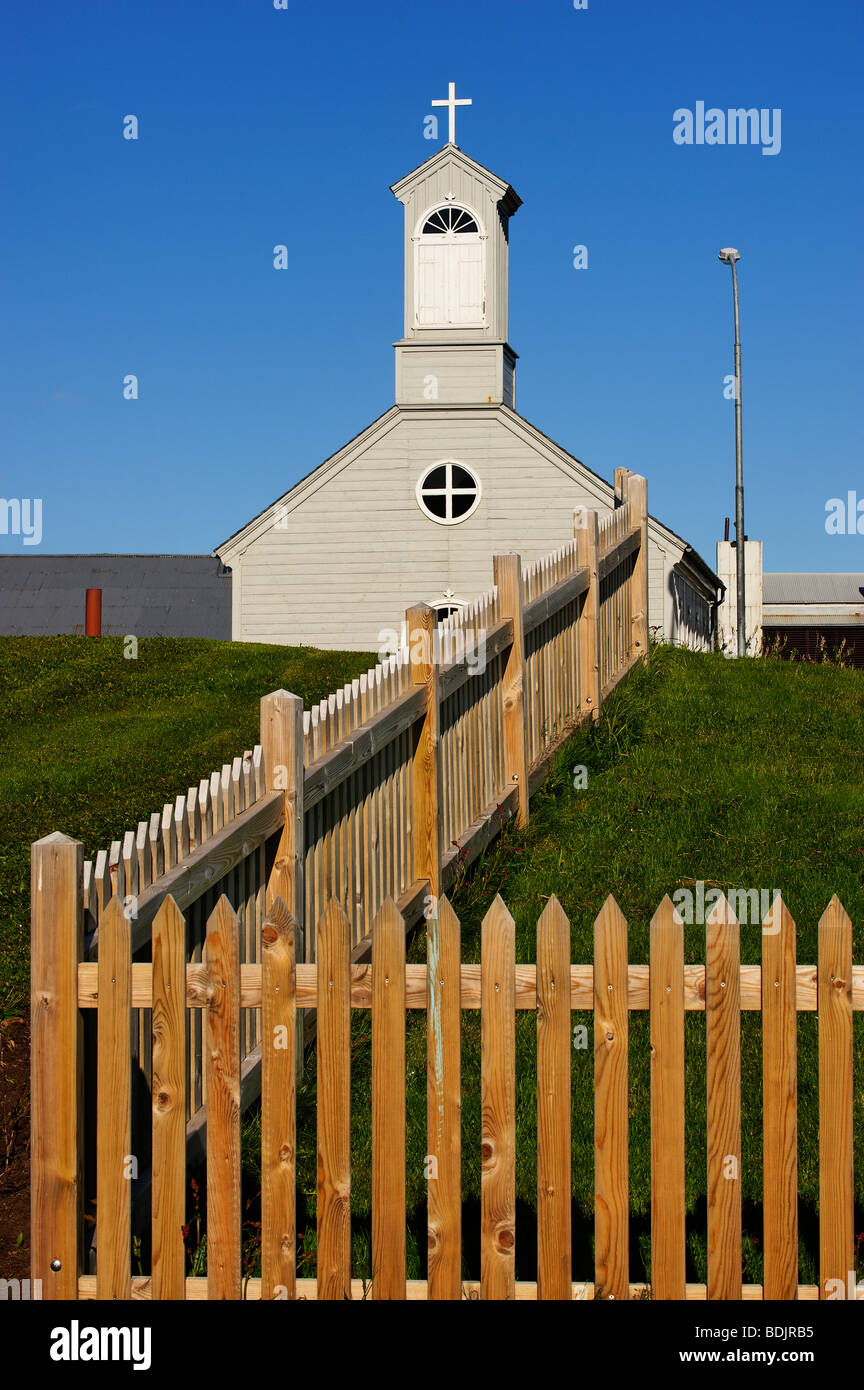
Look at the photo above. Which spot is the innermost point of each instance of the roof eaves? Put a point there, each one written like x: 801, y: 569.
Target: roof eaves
x: 507, y: 194
x: 307, y: 478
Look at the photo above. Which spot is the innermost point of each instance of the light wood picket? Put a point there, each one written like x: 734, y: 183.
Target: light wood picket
x: 394, y: 787
x: 220, y: 986
x: 723, y: 1047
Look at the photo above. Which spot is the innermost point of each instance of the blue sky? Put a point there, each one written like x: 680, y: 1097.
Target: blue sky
x: 259, y: 127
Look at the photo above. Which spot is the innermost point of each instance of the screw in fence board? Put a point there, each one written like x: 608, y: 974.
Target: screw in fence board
x: 427, y: 799
x: 666, y: 1004
x: 511, y: 603
x: 636, y: 493
x: 836, y: 1190
x: 554, y: 1052
x: 224, y: 1216
x: 723, y: 1071
x: 780, y: 1105
x: 334, y: 1104
x: 444, y: 1102
x: 283, y: 765
x: 388, y: 1104
x: 585, y: 527
x: 611, y: 1031
x: 279, y: 954
x: 169, y: 1100
x: 498, y: 1104
x: 56, y: 1145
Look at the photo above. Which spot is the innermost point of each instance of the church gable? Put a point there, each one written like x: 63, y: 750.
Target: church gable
x: 416, y: 505
x: 415, y: 514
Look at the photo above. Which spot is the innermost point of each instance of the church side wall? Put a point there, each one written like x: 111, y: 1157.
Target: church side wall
x: 344, y: 565
x: 656, y: 572
x: 691, y: 624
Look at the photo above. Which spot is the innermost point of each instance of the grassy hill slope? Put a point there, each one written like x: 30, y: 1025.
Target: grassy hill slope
x: 91, y: 743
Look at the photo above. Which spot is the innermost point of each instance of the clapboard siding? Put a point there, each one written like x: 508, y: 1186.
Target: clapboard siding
x: 461, y: 374
x: 342, y: 568
x: 691, y: 615
x: 359, y: 551
x: 656, y: 573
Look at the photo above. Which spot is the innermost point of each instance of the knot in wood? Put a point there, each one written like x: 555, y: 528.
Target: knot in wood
x: 486, y: 1151
x: 506, y: 1239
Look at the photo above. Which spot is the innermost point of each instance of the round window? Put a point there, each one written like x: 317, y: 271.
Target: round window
x: 448, y: 492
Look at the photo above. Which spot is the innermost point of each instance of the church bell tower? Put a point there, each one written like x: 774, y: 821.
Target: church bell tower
x: 455, y: 349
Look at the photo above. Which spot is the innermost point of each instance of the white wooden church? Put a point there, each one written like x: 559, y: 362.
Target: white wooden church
x: 414, y: 507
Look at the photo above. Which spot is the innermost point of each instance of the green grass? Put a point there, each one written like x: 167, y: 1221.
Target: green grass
x: 91, y: 743
x: 743, y: 774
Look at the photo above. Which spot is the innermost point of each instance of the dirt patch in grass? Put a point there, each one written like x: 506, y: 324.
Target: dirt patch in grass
x: 14, y: 1149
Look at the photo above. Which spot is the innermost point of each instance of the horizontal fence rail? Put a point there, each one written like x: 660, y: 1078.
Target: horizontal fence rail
x: 169, y: 991
x: 388, y: 788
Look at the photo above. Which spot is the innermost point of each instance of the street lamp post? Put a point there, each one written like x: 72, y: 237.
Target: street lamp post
x: 730, y: 256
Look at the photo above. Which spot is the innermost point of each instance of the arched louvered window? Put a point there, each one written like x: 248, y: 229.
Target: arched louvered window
x: 449, y: 219
x: 450, y: 270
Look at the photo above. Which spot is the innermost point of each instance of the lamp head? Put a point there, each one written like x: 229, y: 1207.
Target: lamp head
x: 729, y: 255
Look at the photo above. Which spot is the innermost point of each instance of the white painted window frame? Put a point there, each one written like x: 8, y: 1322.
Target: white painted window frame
x: 443, y: 520
x: 418, y: 238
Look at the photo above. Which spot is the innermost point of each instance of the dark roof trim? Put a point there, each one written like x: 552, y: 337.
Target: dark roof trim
x: 692, y: 560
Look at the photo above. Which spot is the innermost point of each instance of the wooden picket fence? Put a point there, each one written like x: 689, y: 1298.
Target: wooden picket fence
x: 218, y: 989
x: 391, y: 786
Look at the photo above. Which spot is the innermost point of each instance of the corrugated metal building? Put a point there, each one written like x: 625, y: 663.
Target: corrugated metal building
x: 808, y: 614
x: 143, y: 595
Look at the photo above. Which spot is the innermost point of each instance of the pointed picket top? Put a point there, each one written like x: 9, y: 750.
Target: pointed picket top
x: 552, y: 917
x: 388, y: 917
x: 835, y: 913
x: 778, y: 920
x: 222, y: 924
x: 610, y: 916
x: 443, y: 911
x: 498, y: 912
x: 835, y: 947
x: 553, y: 964
x: 721, y: 914
x: 114, y: 921
x: 169, y: 916
x: 667, y: 914
x: 333, y: 918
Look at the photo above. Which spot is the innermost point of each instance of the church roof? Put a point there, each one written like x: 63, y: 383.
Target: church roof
x: 507, y: 195
x: 364, y: 437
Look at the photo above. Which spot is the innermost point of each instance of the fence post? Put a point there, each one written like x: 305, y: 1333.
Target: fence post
x: 585, y: 531
x: 636, y: 493
x: 508, y: 580
x: 56, y: 1070
x: 620, y: 485
x: 426, y: 819
x: 283, y: 763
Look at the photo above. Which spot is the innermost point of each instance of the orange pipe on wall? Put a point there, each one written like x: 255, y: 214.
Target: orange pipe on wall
x: 93, y: 614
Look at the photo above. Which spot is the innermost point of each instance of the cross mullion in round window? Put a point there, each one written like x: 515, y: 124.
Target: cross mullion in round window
x: 448, y: 492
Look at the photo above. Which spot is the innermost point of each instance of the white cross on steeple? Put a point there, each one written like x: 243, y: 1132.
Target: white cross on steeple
x: 452, y: 102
